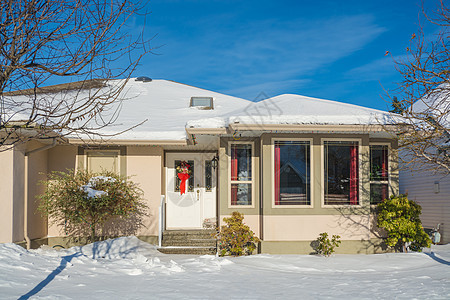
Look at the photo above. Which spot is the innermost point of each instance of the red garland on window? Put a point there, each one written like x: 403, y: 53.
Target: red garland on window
x: 277, y: 173
x: 354, y: 175
x: 183, y: 173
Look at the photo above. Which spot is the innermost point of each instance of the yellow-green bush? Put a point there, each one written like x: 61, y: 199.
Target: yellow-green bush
x: 235, y: 238
x: 400, y: 218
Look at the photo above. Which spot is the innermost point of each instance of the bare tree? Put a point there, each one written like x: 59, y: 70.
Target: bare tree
x: 86, y: 41
x: 425, y: 96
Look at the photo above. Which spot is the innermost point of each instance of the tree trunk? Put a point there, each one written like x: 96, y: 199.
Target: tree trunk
x: 93, y: 233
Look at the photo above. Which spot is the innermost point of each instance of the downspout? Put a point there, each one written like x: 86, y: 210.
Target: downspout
x: 261, y: 189
x: 25, y: 192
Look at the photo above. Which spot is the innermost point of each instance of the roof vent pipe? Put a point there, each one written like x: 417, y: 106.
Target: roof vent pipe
x: 143, y: 79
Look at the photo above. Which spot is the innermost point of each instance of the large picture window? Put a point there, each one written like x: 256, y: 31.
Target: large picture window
x: 241, y: 174
x: 292, y: 173
x: 379, y: 174
x: 341, y: 173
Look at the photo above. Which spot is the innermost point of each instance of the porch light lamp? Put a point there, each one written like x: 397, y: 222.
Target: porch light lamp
x: 215, y: 162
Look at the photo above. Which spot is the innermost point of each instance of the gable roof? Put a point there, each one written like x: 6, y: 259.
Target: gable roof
x: 164, y: 106
x: 301, y: 110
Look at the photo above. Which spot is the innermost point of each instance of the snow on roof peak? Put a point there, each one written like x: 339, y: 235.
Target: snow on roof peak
x: 317, y: 101
x: 164, y: 106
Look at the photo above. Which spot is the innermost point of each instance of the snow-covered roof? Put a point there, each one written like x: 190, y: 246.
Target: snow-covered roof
x: 297, y: 110
x: 165, y: 106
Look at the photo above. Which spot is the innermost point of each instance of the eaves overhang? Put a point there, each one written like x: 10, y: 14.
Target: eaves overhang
x: 315, y: 128
x: 128, y: 142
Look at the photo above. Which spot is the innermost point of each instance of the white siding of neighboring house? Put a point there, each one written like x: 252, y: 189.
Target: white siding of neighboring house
x: 420, y: 187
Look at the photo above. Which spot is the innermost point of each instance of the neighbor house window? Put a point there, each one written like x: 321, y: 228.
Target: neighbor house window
x: 241, y: 174
x: 341, y: 179
x: 379, y: 175
x: 292, y: 173
x: 98, y: 161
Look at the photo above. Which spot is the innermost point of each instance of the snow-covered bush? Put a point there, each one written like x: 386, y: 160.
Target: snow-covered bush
x: 235, y: 238
x: 82, y: 202
x: 400, y: 218
x: 325, y: 245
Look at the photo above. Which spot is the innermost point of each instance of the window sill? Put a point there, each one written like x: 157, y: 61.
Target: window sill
x: 292, y: 206
x: 241, y: 206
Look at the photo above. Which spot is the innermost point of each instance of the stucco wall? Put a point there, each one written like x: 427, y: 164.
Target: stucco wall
x: 12, y: 194
x: 37, y: 169
x: 60, y: 158
x: 6, y: 194
x: 18, y: 193
x: 144, y: 164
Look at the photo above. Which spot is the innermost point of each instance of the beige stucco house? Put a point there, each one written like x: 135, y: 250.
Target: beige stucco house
x: 294, y: 166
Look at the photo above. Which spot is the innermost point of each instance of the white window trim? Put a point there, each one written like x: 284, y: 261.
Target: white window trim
x: 311, y: 172
x: 322, y: 172
x: 389, y: 169
x: 119, y: 158
x: 252, y: 182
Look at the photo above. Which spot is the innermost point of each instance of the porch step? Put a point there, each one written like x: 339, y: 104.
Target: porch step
x: 188, y: 250
x: 188, y: 242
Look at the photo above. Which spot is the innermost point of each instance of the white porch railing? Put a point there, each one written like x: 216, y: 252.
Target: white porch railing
x: 162, y: 213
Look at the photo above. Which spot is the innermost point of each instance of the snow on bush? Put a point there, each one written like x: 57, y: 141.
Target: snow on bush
x: 83, y: 202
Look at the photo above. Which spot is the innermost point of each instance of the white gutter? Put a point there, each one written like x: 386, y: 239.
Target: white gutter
x: 25, y: 192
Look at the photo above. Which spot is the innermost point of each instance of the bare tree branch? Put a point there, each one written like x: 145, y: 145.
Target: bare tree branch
x: 85, y: 40
x: 424, y: 136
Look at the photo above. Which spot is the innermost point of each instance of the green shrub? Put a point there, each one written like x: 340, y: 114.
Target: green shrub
x: 235, y: 238
x: 400, y: 218
x: 325, y: 245
x: 83, y: 202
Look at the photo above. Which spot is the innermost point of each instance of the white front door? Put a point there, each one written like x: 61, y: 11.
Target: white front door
x: 189, y: 210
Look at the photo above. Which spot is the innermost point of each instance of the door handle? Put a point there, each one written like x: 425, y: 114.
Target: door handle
x: 198, y: 195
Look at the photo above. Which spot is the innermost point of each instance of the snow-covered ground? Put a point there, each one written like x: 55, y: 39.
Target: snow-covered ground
x: 126, y: 268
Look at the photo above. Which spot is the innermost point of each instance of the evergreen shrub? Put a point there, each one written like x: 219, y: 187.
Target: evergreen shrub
x: 325, y: 245
x: 82, y: 202
x: 235, y: 238
x: 400, y: 217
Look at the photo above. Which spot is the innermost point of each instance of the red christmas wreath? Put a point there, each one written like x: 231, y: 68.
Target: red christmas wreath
x: 183, y: 173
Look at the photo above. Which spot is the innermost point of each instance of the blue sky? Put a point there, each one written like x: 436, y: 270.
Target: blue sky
x: 325, y: 49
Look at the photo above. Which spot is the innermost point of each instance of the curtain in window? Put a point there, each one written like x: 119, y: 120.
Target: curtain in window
x: 277, y: 174
x: 384, y: 174
x: 384, y: 170
x: 353, y: 175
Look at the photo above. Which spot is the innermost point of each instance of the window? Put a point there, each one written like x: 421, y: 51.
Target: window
x: 202, y: 102
x: 105, y: 160
x: 208, y: 175
x: 341, y: 173
x: 379, y: 175
x: 292, y: 173
x: 241, y: 174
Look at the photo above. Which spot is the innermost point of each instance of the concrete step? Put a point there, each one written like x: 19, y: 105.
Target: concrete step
x: 188, y: 242
x: 181, y: 234
x: 188, y: 250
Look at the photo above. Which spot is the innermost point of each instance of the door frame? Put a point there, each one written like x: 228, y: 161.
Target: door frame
x: 164, y: 179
